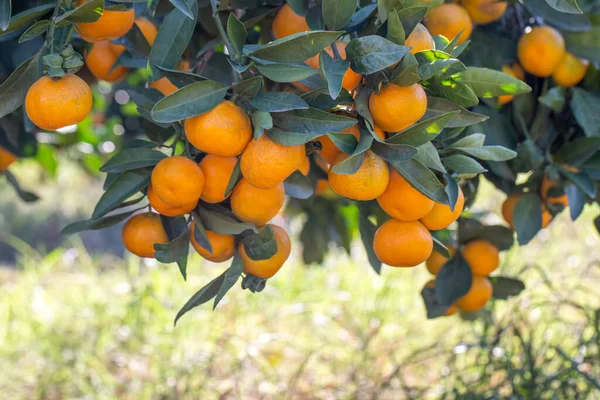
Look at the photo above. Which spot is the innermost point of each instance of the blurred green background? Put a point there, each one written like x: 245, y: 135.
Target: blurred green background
x: 81, y: 319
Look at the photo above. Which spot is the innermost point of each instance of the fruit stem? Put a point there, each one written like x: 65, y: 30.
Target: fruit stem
x: 336, y: 53
x: 50, y: 36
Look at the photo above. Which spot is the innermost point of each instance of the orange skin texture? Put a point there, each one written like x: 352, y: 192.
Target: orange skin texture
x: 368, y: 183
x: 166, y: 209
x: 402, y: 244
x: 254, y: 205
x: 223, y: 131
x: 441, y: 216
x: 100, y: 60
x: 483, y: 12
x: 547, y: 184
x: 141, y: 232
x: 178, y: 181
x: 269, y: 267
x: 419, y: 39
x: 482, y: 256
x: 477, y: 296
x: 570, y: 70
x: 351, y: 79
x: 436, y: 261
x: 217, y: 172
x: 403, y: 202
x: 265, y: 164
x: 516, y: 72
x: 304, y: 167
x: 287, y: 22
x: 508, y: 209
x: 541, y: 51
x: 53, y: 105
x: 453, y: 309
x: 395, y: 108
x: 111, y: 25
x: 6, y: 158
x: 449, y: 20
x: 223, y: 246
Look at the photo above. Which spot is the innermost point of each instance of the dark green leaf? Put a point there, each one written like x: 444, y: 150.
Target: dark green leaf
x: 202, y: 296
x: 236, y: 33
x: 424, y: 131
x: 582, y: 180
x: 179, y: 78
x: 87, y: 12
x: 395, y: 30
x: 527, y: 217
x: 218, y: 219
x: 297, y: 47
x: 192, y: 100
x: 373, y: 53
x: 95, y: 224
x: 432, y: 306
x: 35, y: 30
x: 491, y: 153
x: 579, y: 150
x: 351, y: 164
x: 576, y: 200
x: 174, y: 251
x: 343, y: 141
x: 428, y: 155
x: 298, y: 186
x: 504, y: 287
x: 132, y: 158
x: 394, y: 152
x: 422, y: 179
x: 410, y: 17
x: 453, y: 281
x: 231, y: 276
x: 565, y: 6
x: 491, y: 83
x: 184, y: 7
x: 437, y: 106
x: 14, y: 89
x: 463, y: 164
x: 277, y: 102
x: 337, y: 13
x: 585, y: 44
x: 367, y: 233
x: 236, y: 175
x: 123, y: 187
x: 286, y: 72
x: 454, y: 91
x: 287, y: 138
x: 440, y: 247
x: 586, y: 108
x: 200, y: 235
x: 555, y: 98
x: 312, y: 121
x: 26, y: 196
x: 436, y: 62
x: 406, y: 73
x: 249, y: 87
x: 5, y: 11
x: 262, y: 121
x: 26, y: 17
x: 261, y: 245
x: 562, y: 21
x: 333, y: 72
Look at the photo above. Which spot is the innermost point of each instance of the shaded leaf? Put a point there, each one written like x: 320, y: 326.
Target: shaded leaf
x: 297, y: 47
x: 277, y: 102
x: 192, y: 100
x: 231, y: 276
x: 298, y: 186
x: 453, y: 281
x: 504, y: 287
x: 123, y: 187
x: 527, y: 217
x: 218, y: 219
x: 133, y: 158
x: 373, y: 53
x: 202, y: 296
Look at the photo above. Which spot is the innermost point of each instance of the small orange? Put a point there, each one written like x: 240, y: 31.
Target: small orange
x: 217, y: 172
x: 166, y: 209
x: 223, y: 131
x: 101, y: 58
x: 402, y: 201
x: 351, y: 79
x: 441, y: 216
x: 141, y: 232
x: 541, y: 50
x: 178, y: 181
x: 419, y: 39
x: 265, y: 164
x: 482, y: 256
x: 111, y: 25
x: 222, y: 245
x: 449, y: 20
x: 6, y: 158
x: 287, y: 22
x: 53, y: 105
x: 269, y: 267
x: 304, y: 167
x: 395, y: 107
x: 436, y: 261
x: 483, y: 12
x: 548, y: 184
x: 254, y: 205
x: 402, y: 244
x: 477, y: 296
x: 570, y: 70
x: 368, y: 183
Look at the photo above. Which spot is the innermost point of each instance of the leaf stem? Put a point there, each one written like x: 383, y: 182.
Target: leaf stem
x: 50, y: 36
x: 230, y: 50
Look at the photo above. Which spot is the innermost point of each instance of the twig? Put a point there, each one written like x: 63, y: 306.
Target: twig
x: 230, y: 50
x: 50, y: 36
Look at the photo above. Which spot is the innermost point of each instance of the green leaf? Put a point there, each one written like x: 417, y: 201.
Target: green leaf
x: 586, y: 108
x: 410, y: 17
x: 360, y: 17
x: 581, y: 180
x: 437, y: 106
x: 453, y: 281
x: 26, y: 196
x: 199, y: 232
x: 367, y: 231
x: 237, y: 33
x: 555, y: 98
x: 283, y: 72
x: 565, y: 6
x: 5, y: 11
x: 436, y: 62
x: 394, y: 152
x: 231, y: 276
x: 202, y: 296
x: 463, y: 164
x: 297, y: 47
x: 333, y: 72
x: 454, y: 91
x: 395, y: 30
x: 26, y: 17
x: 560, y: 20
x: 261, y: 245
x: 504, y: 287
x: 422, y: 179
x: 87, y: 12
x: 287, y: 138
x: 184, y: 7
x: 132, y: 158
x: 578, y: 150
x: 35, y: 30
x: 179, y: 78
x: 218, y: 219
x: 577, y: 200
x: 343, y: 141
x: 406, y: 73
x: 440, y: 247
x: 176, y: 251
x: 491, y: 83
x: 249, y: 87
x: 192, y: 100
x: 298, y: 186
x: 125, y: 186
x: 433, y: 308
x: 277, y: 102
x: 473, y: 140
x: 424, y: 131
x: 95, y: 224
x: 373, y: 53
x: 337, y: 13
x: 585, y: 44
x: 527, y: 217
x: 351, y: 164
x: 14, y: 89
x: 428, y: 155
x: 491, y: 153
x: 262, y: 121
x: 312, y: 121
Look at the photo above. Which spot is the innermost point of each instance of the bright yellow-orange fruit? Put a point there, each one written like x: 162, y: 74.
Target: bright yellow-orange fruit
x: 101, y: 58
x: 178, y: 181
x: 141, y: 232
x: 351, y: 79
x: 541, y: 50
x: 111, y: 25
x: 163, y: 85
x: 166, y: 209
x: 477, y: 296
x: 217, y: 172
x: 304, y: 166
x: 436, y: 261
x: 6, y: 158
x: 484, y: 12
x: 269, y: 267
x: 368, y: 183
x: 453, y: 309
x: 254, y: 205
x: 482, y: 256
x: 449, y: 20
x: 402, y: 201
x: 515, y: 71
x: 419, y: 39
x: 265, y: 164
x: 53, y: 105
x: 441, y: 216
x: 508, y: 209
x: 222, y: 245
x: 287, y: 22
x: 395, y: 107
x: 402, y: 244
x: 223, y: 131
x: 570, y: 70
x: 548, y: 184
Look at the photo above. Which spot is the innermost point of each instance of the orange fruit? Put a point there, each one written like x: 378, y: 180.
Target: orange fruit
x: 570, y: 70
x: 111, y: 25
x: 477, y: 296
x: 395, y: 107
x: 100, y: 60
x: 322, y: 187
x: 53, y: 105
x: 141, y: 232
x: 403, y: 202
x: 436, y: 261
x: 453, y: 309
x: 223, y: 131
x: 484, y: 12
x: 304, y: 167
x: 258, y: 206
x: 223, y: 246
x: 441, y: 216
x: 508, y: 209
x: 163, y: 85
x: 265, y: 164
x: 269, y: 267
x: 515, y: 71
x: 482, y: 256
x: 148, y: 29
x: 449, y: 20
x: 419, y: 39
x: 178, y: 181
x: 6, y: 158
x: 217, y: 172
x: 402, y: 244
x: 548, y: 184
x: 368, y: 183
x: 541, y: 50
x: 351, y: 79
x: 287, y: 22
x: 166, y: 209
